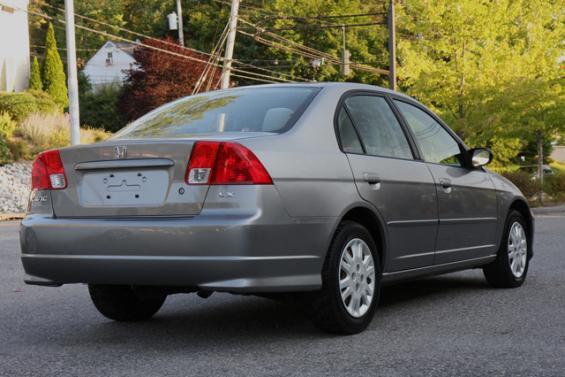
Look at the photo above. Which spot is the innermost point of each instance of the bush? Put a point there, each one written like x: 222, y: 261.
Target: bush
x: 5, y: 152
x: 554, y: 185
x: 53, y: 72
x: 20, y: 105
x: 524, y: 182
x: 100, y: 109
x: 7, y: 125
x: 20, y: 149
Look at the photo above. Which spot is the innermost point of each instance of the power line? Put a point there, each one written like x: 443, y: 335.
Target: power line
x: 327, y: 26
x: 90, y: 19
x: 291, y: 77
x: 183, y: 56
x: 300, y: 49
x: 323, y: 17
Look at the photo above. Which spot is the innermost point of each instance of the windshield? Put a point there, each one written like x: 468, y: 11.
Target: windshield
x: 234, y: 110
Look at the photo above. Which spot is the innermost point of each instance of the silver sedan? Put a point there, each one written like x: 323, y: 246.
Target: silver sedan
x: 322, y: 191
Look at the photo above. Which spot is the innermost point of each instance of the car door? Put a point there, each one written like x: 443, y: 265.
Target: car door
x: 466, y: 195
x: 386, y: 175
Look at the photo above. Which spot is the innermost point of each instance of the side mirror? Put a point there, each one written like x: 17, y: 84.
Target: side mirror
x: 480, y: 157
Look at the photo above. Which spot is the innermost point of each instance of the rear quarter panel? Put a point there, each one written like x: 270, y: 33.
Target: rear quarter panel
x: 311, y: 174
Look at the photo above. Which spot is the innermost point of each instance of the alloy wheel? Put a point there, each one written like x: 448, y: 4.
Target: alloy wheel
x: 517, y: 249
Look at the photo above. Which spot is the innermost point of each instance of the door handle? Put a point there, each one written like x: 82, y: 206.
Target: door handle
x: 373, y: 180
x: 446, y: 184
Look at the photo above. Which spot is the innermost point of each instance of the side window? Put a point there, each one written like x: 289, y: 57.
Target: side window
x: 436, y: 144
x: 349, y: 140
x: 378, y: 128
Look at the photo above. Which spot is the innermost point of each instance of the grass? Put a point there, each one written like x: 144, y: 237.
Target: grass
x: 39, y: 132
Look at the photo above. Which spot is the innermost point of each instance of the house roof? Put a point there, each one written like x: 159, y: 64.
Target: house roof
x: 125, y: 47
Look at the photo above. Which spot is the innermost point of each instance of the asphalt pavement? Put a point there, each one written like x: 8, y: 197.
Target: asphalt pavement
x: 450, y: 325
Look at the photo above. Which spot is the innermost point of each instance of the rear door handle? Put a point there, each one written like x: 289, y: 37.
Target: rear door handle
x: 373, y: 180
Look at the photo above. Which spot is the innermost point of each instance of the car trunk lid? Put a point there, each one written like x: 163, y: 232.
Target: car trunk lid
x: 125, y: 178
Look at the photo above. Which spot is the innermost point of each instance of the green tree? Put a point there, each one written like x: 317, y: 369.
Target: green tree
x: 35, y: 76
x: 490, y: 68
x: 53, y: 73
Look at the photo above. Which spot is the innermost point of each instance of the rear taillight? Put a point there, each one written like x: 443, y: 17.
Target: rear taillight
x: 225, y: 163
x: 48, y: 172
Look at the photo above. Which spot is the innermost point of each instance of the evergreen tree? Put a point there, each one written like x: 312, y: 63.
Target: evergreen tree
x: 53, y: 73
x: 35, y: 76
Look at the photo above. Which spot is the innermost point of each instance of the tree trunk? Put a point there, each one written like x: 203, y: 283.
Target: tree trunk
x: 539, y: 138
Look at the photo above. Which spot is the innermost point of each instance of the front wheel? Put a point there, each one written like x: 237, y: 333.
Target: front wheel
x: 510, y: 268
x: 350, y: 282
x: 121, y: 303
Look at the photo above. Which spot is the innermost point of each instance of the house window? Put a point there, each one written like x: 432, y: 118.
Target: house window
x: 109, y: 58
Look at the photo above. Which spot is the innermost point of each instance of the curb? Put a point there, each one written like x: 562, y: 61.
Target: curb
x: 11, y: 216
x: 549, y: 210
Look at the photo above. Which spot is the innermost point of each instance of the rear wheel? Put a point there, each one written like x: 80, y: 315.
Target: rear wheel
x: 121, y: 303
x: 510, y: 268
x: 350, y: 282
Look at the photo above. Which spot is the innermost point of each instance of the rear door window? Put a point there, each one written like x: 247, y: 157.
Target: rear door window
x: 350, y: 142
x: 376, y: 124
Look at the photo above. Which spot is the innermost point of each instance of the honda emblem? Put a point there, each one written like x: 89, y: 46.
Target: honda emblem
x: 121, y: 152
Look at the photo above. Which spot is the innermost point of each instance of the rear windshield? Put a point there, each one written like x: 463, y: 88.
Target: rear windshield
x: 234, y: 110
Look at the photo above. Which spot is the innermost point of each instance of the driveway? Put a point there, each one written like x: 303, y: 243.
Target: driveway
x: 452, y: 325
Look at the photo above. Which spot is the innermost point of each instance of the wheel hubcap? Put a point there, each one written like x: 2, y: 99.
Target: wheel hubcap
x: 517, y: 249
x: 356, y: 277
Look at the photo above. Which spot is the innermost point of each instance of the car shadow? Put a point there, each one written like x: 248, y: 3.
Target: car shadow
x: 426, y: 289
x: 225, y: 321
x: 246, y: 317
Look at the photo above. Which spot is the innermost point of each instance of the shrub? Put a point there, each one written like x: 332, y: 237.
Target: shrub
x: 554, y: 185
x: 7, y: 125
x: 524, y: 182
x: 53, y: 73
x: 35, y: 76
x: 20, y: 149
x: 100, y: 109
x: 5, y: 152
x: 93, y: 135
x: 20, y: 105
x: 44, y: 102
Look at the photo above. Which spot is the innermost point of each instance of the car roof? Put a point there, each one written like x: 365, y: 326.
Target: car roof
x: 340, y: 85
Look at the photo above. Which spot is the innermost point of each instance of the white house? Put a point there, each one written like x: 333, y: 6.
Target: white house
x: 107, y: 66
x: 14, y: 45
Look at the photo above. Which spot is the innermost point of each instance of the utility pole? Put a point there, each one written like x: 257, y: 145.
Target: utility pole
x: 345, y: 56
x: 391, y: 47
x: 230, y: 43
x: 72, y: 72
x: 179, y: 15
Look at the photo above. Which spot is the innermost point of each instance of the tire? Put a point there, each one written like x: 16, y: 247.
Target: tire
x: 120, y: 303
x: 328, y: 310
x: 501, y: 273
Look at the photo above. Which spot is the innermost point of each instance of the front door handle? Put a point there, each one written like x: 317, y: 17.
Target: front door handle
x: 446, y: 184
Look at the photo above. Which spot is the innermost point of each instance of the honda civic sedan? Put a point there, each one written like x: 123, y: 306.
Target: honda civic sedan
x: 323, y: 191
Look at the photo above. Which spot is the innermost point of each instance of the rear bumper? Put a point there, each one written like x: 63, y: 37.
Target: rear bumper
x: 241, y: 253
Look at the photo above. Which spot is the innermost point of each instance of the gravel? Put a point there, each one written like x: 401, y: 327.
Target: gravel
x: 15, y: 183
